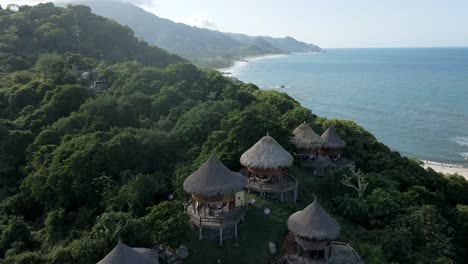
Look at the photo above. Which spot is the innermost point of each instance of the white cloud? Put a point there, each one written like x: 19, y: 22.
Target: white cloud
x: 142, y: 2
x: 4, y: 3
x: 199, y: 20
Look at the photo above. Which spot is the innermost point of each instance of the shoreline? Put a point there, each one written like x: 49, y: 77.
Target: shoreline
x: 246, y: 59
x: 446, y: 168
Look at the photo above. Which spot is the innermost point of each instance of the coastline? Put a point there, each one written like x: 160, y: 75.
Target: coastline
x: 246, y: 59
x: 446, y: 168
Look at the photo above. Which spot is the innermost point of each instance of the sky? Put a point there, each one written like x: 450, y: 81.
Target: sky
x: 327, y: 23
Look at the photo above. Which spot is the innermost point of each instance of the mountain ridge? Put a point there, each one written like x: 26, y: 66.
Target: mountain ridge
x: 202, y: 46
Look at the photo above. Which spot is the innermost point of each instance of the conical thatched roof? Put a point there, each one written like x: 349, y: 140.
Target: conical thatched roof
x: 306, y: 138
x: 123, y: 254
x: 314, y: 223
x: 266, y: 154
x: 332, y: 140
x: 214, y: 179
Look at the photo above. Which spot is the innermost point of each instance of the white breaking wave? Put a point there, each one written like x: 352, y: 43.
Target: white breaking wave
x: 428, y: 162
x: 464, y: 155
x: 463, y: 141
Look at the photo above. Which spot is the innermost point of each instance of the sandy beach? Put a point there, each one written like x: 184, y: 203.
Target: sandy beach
x: 246, y: 59
x: 446, y: 168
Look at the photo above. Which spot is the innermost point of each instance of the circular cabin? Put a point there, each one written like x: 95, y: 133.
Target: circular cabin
x: 266, y: 157
x: 314, y: 230
x: 265, y: 164
x: 333, y: 145
x: 312, y: 239
x: 217, y: 197
x: 306, y: 141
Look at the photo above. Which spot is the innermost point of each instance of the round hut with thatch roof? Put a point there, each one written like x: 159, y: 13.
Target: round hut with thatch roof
x: 306, y: 141
x: 333, y: 145
x: 123, y: 254
x: 313, y: 234
x: 217, y: 200
x: 265, y: 164
x: 308, y: 144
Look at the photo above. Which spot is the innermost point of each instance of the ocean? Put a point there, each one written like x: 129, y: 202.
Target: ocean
x: 414, y: 100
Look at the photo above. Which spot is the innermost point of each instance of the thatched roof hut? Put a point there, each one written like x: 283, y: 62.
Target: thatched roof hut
x: 266, y: 154
x: 123, y: 254
x: 331, y: 140
x: 213, y: 179
x: 314, y: 224
x: 306, y: 138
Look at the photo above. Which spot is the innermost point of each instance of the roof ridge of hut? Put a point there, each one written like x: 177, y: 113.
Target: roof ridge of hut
x: 124, y: 254
x: 267, y: 153
x: 305, y: 137
x: 213, y: 178
x: 314, y: 223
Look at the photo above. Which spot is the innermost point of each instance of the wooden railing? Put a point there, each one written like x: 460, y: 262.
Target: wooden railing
x: 223, y: 219
x: 290, y: 183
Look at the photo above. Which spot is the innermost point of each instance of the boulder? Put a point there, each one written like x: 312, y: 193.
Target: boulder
x: 182, y: 252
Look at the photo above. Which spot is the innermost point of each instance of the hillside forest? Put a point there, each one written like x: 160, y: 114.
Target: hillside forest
x: 81, y: 168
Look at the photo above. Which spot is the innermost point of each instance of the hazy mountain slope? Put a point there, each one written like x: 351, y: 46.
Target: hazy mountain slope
x: 200, y: 45
x: 287, y: 44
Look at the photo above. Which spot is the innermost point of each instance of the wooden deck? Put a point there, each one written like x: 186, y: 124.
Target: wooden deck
x: 342, y: 254
x: 288, y: 184
x: 323, y: 164
x: 216, y: 220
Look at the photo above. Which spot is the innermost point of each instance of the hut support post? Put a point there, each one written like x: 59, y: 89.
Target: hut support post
x: 295, y: 194
x: 235, y: 231
x: 221, y: 236
x: 200, y: 236
x: 282, y: 197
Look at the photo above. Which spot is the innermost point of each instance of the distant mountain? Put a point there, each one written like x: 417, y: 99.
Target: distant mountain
x: 281, y: 45
x: 202, y: 46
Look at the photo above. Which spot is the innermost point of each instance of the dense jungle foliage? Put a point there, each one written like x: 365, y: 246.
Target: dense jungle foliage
x: 80, y: 169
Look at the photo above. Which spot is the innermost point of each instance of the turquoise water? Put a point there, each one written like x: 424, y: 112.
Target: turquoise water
x: 413, y: 100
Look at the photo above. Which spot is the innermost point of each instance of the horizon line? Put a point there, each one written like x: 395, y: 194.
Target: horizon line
x: 399, y: 47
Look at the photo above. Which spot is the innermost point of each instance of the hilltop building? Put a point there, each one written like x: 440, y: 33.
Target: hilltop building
x: 99, y: 86
x: 312, y: 238
x: 265, y: 165
x: 217, y: 202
